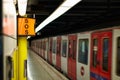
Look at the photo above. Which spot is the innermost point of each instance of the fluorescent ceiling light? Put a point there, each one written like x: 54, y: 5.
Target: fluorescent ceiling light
x: 64, y: 7
x: 22, y: 6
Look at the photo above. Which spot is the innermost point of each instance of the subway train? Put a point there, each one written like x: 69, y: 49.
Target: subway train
x: 90, y: 55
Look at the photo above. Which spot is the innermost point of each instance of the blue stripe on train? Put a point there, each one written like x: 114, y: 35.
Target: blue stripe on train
x: 97, y: 77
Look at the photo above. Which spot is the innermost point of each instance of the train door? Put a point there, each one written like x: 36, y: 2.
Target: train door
x: 116, y: 55
x: 64, y: 53
x: 50, y: 51
x: 72, y: 56
x: 83, y: 56
x: 46, y: 48
x: 101, y: 48
x: 58, y: 55
x: 54, y: 49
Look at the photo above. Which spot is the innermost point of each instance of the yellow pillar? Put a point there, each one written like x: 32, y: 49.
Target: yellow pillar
x: 22, y: 58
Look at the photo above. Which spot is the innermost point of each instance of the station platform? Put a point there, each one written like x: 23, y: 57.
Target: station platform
x: 39, y: 69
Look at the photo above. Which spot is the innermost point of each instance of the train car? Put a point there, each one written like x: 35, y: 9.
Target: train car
x: 41, y: 51
x: 83, y: 56
x: 54, y: 50
x: 46, y: 48
x: 92, y: 55
x: 40, y: 48
x: 116, y: 55
x: 103, y: 43
x: 35, y: 48
x: 58, y: 53
x: 50, y: 51
x: 64, y: 53
x: 38, y: 45
x: 72, y: 56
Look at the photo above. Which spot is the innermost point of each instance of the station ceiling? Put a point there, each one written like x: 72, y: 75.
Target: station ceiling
x: 85, y: 16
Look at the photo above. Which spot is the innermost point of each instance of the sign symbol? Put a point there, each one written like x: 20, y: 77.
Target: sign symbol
x: 26, y: 32
x: 26, y: 26
x: 26, y: 20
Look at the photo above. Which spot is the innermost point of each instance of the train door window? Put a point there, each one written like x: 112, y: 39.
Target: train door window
x: 69, y: 48
x: 83, y: 51
x: 118, y: 56
x: 95, y: 51
x: 64, y: 48
x: 105, y: 54
x: 74, y: 50
x: 57, y: 48
x: 54, y: 46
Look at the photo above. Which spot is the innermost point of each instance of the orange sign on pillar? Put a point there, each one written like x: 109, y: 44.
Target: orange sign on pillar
x: 26, y: 26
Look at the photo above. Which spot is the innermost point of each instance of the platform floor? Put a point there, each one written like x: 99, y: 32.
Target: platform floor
x: 38, y: 69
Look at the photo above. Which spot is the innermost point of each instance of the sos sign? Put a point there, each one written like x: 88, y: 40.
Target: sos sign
x: 26, y: 26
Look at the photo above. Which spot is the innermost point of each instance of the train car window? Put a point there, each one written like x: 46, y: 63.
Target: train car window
x: 64, y: 48
x: 83, y: 51
x: 95, y: 51
x: 54, y: 46
x: 118, y: 56
x: 74, y: 50
x: 105, y: 54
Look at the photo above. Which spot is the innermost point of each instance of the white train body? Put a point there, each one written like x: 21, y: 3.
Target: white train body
x: 93, y: 55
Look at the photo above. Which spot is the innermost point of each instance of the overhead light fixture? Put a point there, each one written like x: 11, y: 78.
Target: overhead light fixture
x: 22, y: 6
x: 64, y: 7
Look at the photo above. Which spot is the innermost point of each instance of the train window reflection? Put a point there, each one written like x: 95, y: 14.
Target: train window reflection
x: 64, y: 48
x: 95, y: 50
x: 83, y: 51
x: 118, y: 56
x: 105, y: 54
